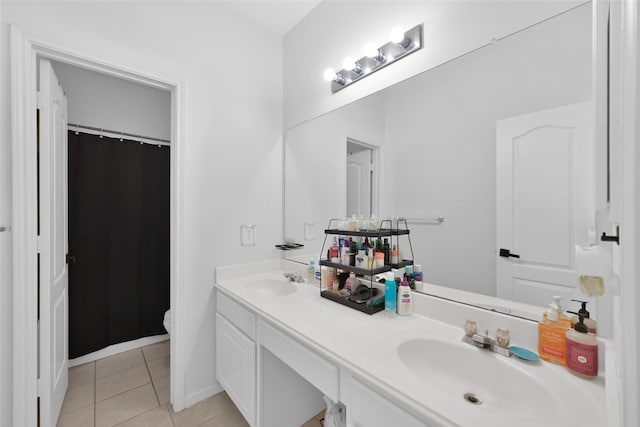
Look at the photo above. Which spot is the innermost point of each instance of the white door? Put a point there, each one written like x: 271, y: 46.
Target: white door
x: 545, y: 201
x: 359, y: 181
x: 54, y: 278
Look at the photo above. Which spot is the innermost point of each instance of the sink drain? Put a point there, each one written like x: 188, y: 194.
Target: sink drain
x: 473, y: 398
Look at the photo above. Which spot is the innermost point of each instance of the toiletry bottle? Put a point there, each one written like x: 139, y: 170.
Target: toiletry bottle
x: 379, y: 247
x: 361, y: 259
x: 346, y: 255
x: 386, y: 251
x: 562, y: 316
x: 592, y: 325
x: 352, y: 253
x: 390, y: 295
x: 333, y: 250
x: 311, y: 271
x: 351, y: 284
x: 417, y: 275
x: 408, y: 272
x: 404, y: 298
x: 366, y: 244
x: 379, y: 259
x: 324, y: 271
x: 582, y: 350
x: 552, y: 337
x: 394, y: 255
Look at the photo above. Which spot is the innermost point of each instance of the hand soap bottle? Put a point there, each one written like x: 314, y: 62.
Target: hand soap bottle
x: 591, y: 323
x: 582, y: 350
x: 562, y: 316
x: 552, y: 337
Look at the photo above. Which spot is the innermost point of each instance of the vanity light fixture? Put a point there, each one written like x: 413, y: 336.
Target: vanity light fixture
x: 402, y: 44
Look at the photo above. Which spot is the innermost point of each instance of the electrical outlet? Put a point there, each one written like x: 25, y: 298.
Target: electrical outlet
x: 309, y: 230
x: 248, y: 235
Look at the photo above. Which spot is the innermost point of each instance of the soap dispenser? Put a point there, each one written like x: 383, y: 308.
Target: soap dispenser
x: 582, y: 350
x: 552, y: 337
x: 564, y: 320
x: 591, y: 323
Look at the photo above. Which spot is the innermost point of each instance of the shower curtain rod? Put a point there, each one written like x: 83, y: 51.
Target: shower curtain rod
x: 143, y: 139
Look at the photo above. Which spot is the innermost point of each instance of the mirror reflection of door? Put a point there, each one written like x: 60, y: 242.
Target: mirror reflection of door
x: 360, y: 179
x: 546, y: 203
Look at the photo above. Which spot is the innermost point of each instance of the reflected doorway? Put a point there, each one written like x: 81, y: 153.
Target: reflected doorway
x: 361, y: 178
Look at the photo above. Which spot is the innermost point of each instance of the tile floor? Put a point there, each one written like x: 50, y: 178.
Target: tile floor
x: 132, y: 389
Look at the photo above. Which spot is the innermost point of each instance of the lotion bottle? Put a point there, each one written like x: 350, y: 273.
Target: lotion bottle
x: 404, y: 298
x: 582, y: 350
x: 390, y: 295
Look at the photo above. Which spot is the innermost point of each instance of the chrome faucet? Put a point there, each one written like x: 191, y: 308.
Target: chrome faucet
x: 498, y: 345
x: 294, y: 277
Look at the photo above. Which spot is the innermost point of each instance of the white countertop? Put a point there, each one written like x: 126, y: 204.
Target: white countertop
x: 367, y: 345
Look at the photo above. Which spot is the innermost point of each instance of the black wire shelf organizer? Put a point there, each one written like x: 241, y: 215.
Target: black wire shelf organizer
x: 370, y: 303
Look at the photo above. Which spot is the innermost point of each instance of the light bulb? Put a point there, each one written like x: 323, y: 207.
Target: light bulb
x: 349, y: 63
x: 371, y: 50
x: 397, y: 35
x: 329, y: 75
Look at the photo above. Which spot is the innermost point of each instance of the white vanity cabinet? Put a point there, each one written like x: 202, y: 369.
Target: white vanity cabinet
x: 367, y: 408
x: 236, y: 355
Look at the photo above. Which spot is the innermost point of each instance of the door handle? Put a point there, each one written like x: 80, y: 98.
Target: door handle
x: 615, y: 238
x: 506, y: 253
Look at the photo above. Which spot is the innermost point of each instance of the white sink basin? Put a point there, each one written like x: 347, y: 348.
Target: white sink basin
x: 487, y: 382
x: 483, y: 388
x: 271, y: 286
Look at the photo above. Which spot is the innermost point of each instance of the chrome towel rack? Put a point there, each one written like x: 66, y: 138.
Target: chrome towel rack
x: 437, y: 220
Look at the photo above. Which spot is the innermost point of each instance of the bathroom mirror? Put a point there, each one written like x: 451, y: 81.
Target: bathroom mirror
x: 434, y: 139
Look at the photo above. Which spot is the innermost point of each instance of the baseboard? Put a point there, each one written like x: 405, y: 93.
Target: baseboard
x: 201, y: 395
x: 117, y: 348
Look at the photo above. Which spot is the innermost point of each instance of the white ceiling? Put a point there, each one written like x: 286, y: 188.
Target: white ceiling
x: 275, y: 16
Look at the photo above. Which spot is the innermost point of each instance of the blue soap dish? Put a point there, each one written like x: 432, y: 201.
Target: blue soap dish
x: 523, y: 353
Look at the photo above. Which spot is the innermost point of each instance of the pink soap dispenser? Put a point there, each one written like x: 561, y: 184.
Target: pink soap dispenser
x: 582, y: 350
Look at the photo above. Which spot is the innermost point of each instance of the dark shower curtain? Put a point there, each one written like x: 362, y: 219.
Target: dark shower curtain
x: 119, y: 236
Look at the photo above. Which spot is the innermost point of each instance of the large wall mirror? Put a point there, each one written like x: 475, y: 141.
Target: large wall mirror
x: 435, y: 143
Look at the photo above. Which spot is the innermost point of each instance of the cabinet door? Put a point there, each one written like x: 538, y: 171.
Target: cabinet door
x: 366, y: 408
x: 236, y: 367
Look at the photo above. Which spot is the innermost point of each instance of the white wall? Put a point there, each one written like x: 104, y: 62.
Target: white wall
x: 441, y: 127
x: 232, y: 123
x: 335, y: 29
x: 6, y: 256
x: 107, y: 102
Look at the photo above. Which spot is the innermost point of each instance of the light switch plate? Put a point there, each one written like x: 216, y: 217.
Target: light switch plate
x: 248, y: 234
x: 309, y: 230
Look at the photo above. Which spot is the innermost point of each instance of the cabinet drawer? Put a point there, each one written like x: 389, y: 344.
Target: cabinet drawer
x: 312, y: 367
x: 367, y: 408
x: 240, y: 316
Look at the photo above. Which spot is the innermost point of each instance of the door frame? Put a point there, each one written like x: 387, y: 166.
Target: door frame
x: 24, y: 53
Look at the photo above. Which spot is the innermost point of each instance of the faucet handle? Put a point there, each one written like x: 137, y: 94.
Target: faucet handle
x: 470, y: 328
x: 503, y: 337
